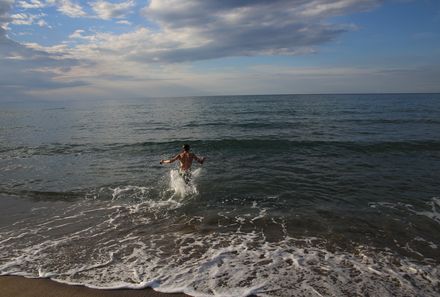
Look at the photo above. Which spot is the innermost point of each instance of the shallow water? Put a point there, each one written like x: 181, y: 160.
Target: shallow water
x: 301, y: 195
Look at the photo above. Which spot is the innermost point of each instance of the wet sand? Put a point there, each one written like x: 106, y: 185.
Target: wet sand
x: 17, y: 286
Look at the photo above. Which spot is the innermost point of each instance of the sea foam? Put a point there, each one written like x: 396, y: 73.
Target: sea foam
x: 121, y: 246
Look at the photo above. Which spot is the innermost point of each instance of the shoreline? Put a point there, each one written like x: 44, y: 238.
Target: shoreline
x: 20, y: 286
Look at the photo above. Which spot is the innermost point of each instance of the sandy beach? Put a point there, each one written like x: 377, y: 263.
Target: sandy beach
x: 16, y: 286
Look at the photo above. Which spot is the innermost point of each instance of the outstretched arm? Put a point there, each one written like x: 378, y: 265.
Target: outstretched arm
x: 177, y: 157
x: 200, y: 160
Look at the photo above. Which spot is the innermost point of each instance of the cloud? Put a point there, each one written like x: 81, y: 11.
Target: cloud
x: 151, y: 60
x: 185, y: 31
x: 69, y: 8
x: 107, y: 10
x: 66, y: 7
x: 104, y: 10
x: 320, y: 8
x: 124, y: 22
x: 195, y: 30
x: 32, y: 4
x: 176, y: 13
x: 28, y: 69
x: 245, y: 27
x: 23, y: 69
x: 28, y: 19
x: 5, y: 7
x: 79, y: 34
x: 43, y: 23
x: 267, y: 79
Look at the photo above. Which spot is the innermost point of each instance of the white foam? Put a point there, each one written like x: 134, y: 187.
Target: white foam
x: 262, y: 214
x: 138, y: 199
x: 229, y: 264
x: 430, y: 243
x: 434, y: 214
x: 129, y: 191
x: 180, y: 187
x: 42, y: 274
x: 116, y: 252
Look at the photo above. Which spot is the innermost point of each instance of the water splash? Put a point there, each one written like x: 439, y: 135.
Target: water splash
x: 182, y: 188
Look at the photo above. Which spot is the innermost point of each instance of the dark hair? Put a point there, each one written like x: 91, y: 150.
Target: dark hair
x: 186, y: 147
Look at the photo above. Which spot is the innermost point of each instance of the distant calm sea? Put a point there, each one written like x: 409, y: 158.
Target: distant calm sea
x: 300, y: 195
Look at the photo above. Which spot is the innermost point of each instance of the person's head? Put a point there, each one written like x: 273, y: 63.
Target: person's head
x: 186, y: 147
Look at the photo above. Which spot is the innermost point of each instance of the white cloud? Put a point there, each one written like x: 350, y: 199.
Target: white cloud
x: 124, y: 22
x: 107, y: 10
x: 104, y: 10
x: 22, y: 19
x: 43, y: 23
x: 28, y: 19
x: 79, y: 34
x: 66, y: 7
x: 31, y: 4
x: 337, y: 7
x: 69, y: 8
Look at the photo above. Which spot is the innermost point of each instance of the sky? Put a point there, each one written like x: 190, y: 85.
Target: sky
x: 98, y: 49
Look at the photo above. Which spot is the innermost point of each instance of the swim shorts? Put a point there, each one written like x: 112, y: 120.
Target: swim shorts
x: 186, y: 175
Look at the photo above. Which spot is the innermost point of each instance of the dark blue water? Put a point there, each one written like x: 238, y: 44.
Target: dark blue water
x: 300, y: 195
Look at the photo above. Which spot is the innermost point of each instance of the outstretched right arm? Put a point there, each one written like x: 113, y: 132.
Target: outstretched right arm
x: 177, y: 157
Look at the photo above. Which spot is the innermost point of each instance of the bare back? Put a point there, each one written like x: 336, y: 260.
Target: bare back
x: 186, y: 159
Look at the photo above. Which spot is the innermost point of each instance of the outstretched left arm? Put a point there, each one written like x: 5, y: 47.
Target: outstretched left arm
x: 200, y: 160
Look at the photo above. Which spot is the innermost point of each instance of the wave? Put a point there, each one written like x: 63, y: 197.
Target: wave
x: 177, y: 189
x: 220, y: 144
x: 433, y: 213
x: 391, y: 121
x: 44, y: 195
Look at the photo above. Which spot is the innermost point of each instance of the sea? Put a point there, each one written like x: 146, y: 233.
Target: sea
x: 300, y: 195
